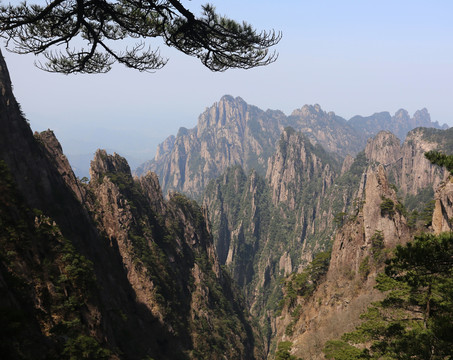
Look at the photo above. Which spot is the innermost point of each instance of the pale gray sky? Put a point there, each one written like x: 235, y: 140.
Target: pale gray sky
x: 351, y: 57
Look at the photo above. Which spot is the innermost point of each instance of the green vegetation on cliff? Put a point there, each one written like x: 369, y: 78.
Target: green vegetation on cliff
x: 196, y: 298
x: 440, y: 159
x: 283, y: 351
x: 304, y: 284
x: 47, y: 285
x: 414, y: 321
x: 261, y: 240
x: 53, y: 304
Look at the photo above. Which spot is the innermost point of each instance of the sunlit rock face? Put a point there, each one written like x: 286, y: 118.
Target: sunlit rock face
x: 348, y: 287
x: 443, y: 211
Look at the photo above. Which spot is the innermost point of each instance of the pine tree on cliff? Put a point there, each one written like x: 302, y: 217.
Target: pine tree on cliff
x: 219, y: 42
x: 440, y: 159
x: 415, y: 320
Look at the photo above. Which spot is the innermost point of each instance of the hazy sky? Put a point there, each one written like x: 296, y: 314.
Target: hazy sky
x: 351, y: 57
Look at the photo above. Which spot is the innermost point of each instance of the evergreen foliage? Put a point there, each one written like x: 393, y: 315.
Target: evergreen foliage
x: 37, y: 262
x: 341, y: 350
x: 420, y: 207
x: 304, y: 284
x: 340, y: 199
x: 377, y: 246
x: 387, y: 207
x: 418, y: 202
x: 354, y: 175
x: 219, y: 42
x: 283, y: 351
x: 340, y: 218
x: 441, y: 159
x: 415, y: 319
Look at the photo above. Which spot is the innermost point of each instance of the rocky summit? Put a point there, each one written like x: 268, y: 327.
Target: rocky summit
x: 254, y: 235
x: 232, y: 132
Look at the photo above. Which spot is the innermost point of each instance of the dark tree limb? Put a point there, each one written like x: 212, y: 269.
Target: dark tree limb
x: 219, y: 42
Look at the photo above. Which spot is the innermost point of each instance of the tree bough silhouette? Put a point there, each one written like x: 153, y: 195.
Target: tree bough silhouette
x: 58, y: 29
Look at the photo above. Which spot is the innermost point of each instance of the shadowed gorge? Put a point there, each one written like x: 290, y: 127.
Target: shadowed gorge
x: 107, y: 268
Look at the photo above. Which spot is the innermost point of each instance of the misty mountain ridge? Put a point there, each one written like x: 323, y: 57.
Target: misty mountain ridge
x: 232, y: 132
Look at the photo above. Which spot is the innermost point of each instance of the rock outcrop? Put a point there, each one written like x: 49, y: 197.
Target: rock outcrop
x: 54, y: 153
x: 358, y: 252
x: 266, y: 228
x: 285, y: 206
x: 299, y: 175
x: 239, y: 214
x: 416, y: 171
x: 347, y: 163
x: 165, y: 247
x: 384, y: 148
x: 406, y: 164
x: 230, y: 132
x: 294, y: 166
x: 443, y: 211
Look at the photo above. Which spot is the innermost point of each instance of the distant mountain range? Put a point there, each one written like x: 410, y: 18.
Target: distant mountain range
x: 232, y: 132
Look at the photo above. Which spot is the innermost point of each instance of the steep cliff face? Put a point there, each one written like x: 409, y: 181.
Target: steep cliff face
x: 358, y: 252
x: 54, y: 154
x: 228, y: 133
x: 50, y: 263
x: 169, y: 259
x: 289, y: 201
x: 417, y: 172
x: 299, y: 175
x: 107, y: 269
x: 384, y: 148
x: 36, y: 174
x: 296, y: 164
x: 443, y: 211
x: 224, y: 199
x: 48, y: 307
x: 265, y: 228
x: 250, y: 238
x: 406, y: 164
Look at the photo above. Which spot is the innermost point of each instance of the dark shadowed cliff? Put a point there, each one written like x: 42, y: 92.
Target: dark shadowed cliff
x: 106, y: 269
